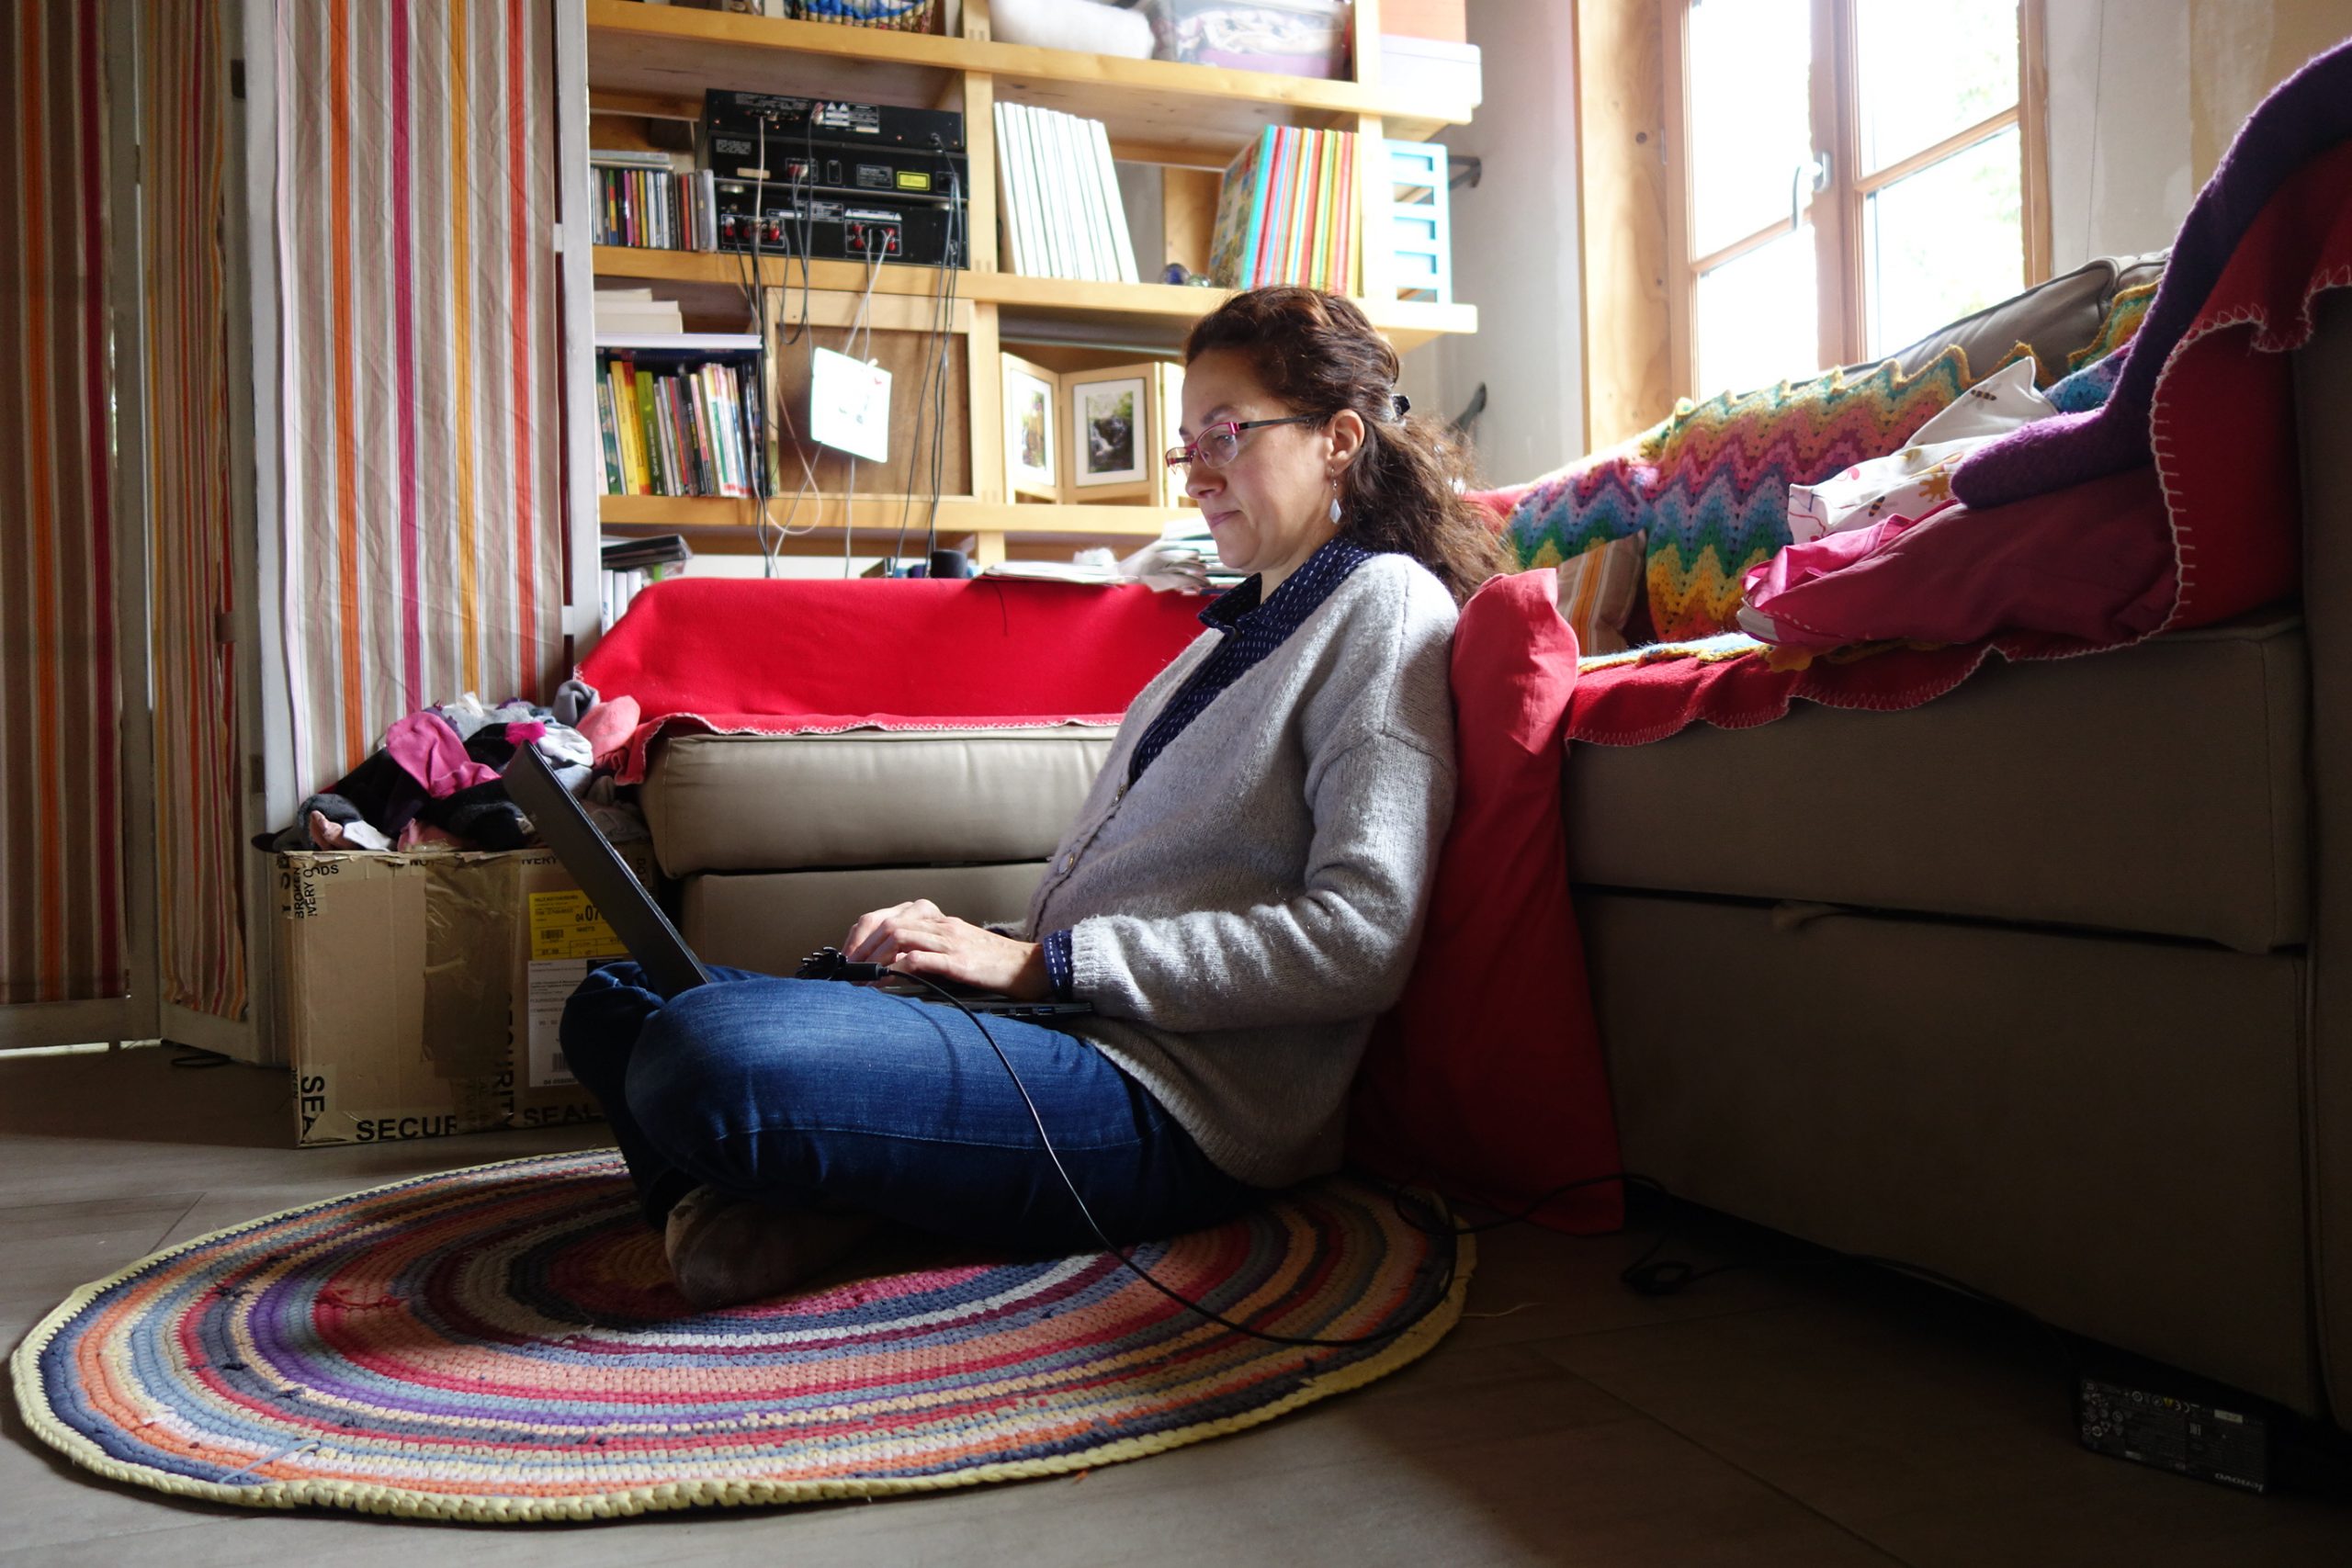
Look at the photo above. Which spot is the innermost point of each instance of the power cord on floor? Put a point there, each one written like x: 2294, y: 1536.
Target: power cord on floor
x: 1648, y: 1275
x: 1642, y: 1275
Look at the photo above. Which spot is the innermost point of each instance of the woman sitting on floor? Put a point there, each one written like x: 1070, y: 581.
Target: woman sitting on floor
x: 1240, y: 895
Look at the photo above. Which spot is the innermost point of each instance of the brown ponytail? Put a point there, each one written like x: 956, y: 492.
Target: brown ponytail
x: 1318, y: 354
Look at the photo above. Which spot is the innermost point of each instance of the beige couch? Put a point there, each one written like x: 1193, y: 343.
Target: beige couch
x: 2024, y: 986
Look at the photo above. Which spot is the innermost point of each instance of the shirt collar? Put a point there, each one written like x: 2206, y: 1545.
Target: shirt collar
x: 1293, y: 599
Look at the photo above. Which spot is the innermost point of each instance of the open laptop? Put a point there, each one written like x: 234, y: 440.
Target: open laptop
x: 668, y: 964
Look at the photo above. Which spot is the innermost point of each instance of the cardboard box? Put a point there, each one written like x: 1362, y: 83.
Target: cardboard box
x: 422, y: 992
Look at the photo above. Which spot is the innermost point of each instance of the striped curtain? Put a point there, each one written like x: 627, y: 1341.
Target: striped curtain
x: 423, y: 515
x: 184, y: 98
x: 60, y: 779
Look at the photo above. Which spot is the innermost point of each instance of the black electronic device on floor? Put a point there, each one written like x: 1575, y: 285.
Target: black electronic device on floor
x: 2228, y: 1447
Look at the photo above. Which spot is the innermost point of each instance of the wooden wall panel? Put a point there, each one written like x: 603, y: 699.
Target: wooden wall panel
x: 1621, y: 141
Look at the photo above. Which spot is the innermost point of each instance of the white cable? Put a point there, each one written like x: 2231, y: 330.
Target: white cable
x: 850, y: 349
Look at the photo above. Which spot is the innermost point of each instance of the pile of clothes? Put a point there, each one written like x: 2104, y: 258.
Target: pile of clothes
x: 435, y: 779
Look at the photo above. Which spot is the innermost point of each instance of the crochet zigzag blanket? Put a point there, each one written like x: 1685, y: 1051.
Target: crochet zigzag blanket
x: 1710, y: 484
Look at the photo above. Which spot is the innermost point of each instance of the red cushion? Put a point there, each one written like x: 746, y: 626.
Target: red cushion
x: 1486, y: 1079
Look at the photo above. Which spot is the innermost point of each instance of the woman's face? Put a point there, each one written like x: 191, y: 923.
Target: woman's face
x: 1271, y: 507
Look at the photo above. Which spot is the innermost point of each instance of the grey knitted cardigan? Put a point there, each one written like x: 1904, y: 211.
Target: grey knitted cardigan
x: 1240, y: 915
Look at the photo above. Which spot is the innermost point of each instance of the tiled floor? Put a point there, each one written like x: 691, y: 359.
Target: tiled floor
x: 1779, y: 1416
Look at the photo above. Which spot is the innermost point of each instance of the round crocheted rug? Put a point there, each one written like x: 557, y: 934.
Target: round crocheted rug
x: 504, y: 1343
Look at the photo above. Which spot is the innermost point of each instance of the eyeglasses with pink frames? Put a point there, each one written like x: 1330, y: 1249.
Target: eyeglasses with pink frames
x: 1221, y: 443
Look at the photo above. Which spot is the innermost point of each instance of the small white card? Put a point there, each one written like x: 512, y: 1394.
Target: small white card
x: 551, y: 981
x: 849, y: 405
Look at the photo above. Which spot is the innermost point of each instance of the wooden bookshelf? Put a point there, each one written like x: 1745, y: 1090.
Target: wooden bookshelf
x: 654, y: 61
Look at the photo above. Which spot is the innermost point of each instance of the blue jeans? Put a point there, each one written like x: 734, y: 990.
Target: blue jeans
x: 800, y: 1092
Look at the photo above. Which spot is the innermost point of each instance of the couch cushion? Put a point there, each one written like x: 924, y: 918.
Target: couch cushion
x: 2104, y: 1131
x: 2159, y: 789
x: 868, y: 797
x: 771, y: 922
x: 2056, y: 319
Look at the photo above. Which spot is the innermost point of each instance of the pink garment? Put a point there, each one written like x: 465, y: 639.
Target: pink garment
x: 426, y: 745
x: 608, y: 725
x: 2093, y: 561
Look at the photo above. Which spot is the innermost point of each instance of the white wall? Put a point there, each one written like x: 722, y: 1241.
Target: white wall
x: 2121, y: 169
x: 1515, y: 250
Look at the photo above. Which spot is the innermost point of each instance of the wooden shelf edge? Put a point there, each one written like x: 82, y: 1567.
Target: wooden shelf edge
x: 625, y: 20
x: 957, y: 514
x: 1406, y: 324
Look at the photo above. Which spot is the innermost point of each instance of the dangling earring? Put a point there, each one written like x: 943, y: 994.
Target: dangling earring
x: 1335, y: 504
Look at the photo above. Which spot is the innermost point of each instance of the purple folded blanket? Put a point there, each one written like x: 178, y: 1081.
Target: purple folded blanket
x: 2304, y: 116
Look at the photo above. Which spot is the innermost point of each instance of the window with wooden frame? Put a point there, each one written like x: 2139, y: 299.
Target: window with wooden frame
x: 1845, y: 176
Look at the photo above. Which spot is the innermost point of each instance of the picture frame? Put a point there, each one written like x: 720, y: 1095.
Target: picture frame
x: 1031, y: 447
x: 1105, y: 437
x: 1110, y: 423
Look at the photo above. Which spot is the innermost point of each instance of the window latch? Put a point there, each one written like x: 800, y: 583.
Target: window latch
x: 1815, y: 174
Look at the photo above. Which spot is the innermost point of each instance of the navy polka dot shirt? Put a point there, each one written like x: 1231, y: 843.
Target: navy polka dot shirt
x: 1252, y: 630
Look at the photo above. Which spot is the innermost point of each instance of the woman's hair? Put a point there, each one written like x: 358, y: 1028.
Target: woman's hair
x: 1316, y: 353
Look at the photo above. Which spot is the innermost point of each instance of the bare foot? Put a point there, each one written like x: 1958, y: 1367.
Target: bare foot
x: 724, y: 1251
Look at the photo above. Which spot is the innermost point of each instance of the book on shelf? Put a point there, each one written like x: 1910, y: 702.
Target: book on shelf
x: 1092, y: 436
x: 1291, y: 210
x: 628, y: 565
x: 679, y: 414
x: 1058, y: 197
x: 653, y: 200
x: 635, y: 310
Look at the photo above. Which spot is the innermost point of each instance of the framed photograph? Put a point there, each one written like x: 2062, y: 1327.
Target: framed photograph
x: 1110, y: 425
x: 1031, y: 466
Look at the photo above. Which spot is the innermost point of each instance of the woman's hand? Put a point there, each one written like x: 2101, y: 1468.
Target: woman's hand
x: 916, y: 938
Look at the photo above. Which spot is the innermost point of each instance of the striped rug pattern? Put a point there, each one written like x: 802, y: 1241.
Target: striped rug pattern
x: 503, y: 1344
x: 61, y: 769
x: 198, y: 781
x: 419, y: 385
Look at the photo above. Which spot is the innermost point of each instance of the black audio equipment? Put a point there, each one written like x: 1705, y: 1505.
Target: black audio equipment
x: 793, y: 120
x: 827, y: 230
x: 838, y: 167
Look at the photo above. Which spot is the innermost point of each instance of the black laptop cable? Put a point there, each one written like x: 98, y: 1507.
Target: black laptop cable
x: 1646, y: 1275
x: 1443, y: 1291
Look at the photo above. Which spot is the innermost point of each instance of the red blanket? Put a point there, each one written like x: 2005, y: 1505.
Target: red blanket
x: 2221, y: 435
x: 767, y: 657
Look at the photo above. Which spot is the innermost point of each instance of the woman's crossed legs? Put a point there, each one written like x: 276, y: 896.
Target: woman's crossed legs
x: 808, y: 1094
